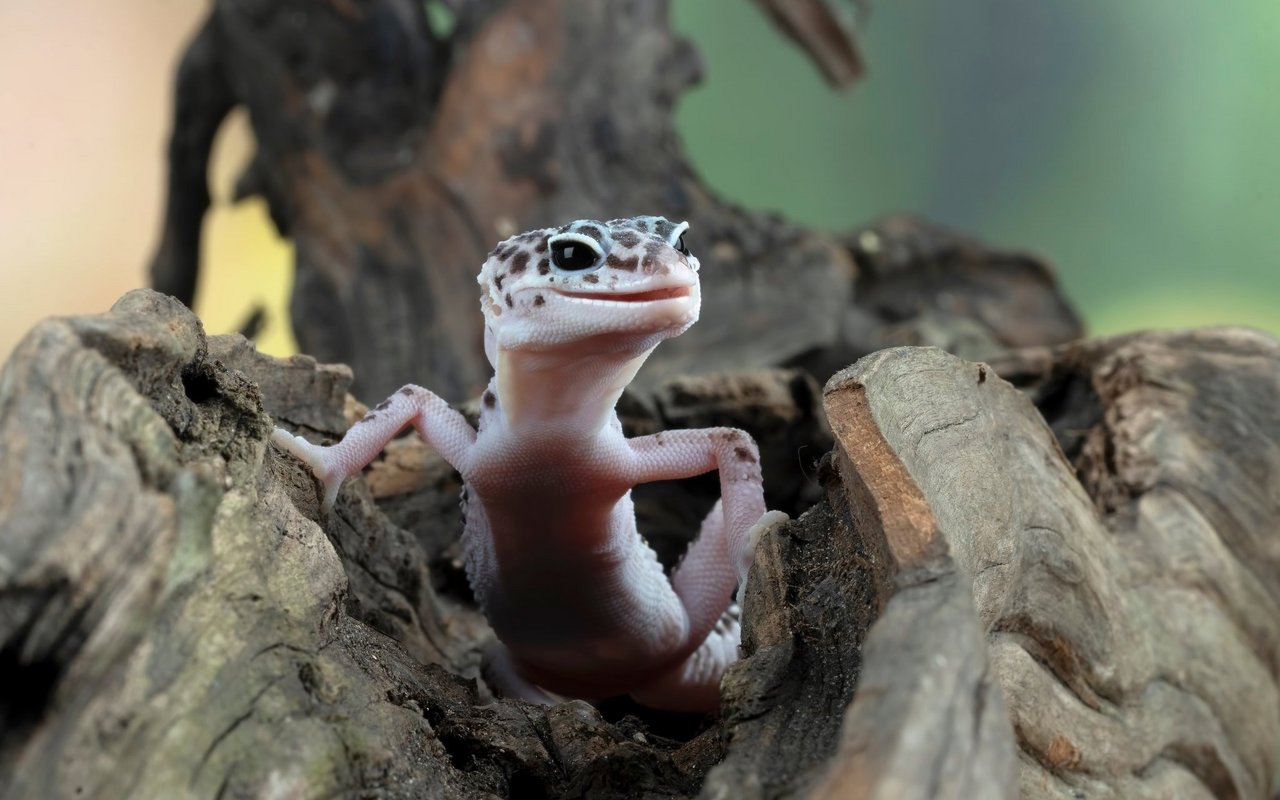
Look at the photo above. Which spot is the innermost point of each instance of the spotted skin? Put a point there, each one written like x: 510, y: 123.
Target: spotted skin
x: 580, y: 605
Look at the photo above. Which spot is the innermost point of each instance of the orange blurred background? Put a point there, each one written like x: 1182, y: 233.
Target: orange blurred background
x: 86, y: 93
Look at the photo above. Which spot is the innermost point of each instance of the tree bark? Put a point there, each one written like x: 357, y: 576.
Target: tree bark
x: 964, y: 612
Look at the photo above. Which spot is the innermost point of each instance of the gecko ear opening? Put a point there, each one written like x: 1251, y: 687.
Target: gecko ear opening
x: 491, y: 346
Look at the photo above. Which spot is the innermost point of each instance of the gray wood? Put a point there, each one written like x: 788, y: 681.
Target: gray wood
x: 1132, y: 626
x: 927, y: 718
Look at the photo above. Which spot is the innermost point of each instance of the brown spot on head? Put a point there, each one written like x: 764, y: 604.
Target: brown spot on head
x: 982, y: 373
x: 544, y: 266
x: 744, y: 454
x: 497, y: 281
x: 542, y: 246
x: 624, y: 264
x: 643, y: 225
x: 592, y: 231
x: 651, y: 252
x: 370, y: 417
x: 407, y: 391
x: 592, y: 278
x: 537, y: 300
x: 381, y: 406
x: 519, y: 262
x: 489, y: 399
x: 627, y: 238
x: 664, y: 227
x: 508, y: 299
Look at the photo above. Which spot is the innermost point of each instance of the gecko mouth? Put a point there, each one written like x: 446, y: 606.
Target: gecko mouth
x: 665, y: 293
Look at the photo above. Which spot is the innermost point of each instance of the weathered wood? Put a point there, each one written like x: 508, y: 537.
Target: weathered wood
x: 1132, y: 627
x: 928, y: 720
x: 173, y: 622
x: 921, y: 284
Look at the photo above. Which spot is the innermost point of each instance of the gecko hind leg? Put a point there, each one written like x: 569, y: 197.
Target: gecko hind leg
x: 695, y: 684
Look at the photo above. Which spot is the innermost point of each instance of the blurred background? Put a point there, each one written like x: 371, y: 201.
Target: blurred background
x: 1137, y: 148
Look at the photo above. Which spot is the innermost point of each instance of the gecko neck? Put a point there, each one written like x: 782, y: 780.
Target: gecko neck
x: 542, y: 390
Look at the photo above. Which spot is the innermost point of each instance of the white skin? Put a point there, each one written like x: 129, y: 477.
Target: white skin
x: 576, y: 597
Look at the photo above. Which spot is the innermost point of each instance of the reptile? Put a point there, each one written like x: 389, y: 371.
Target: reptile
x: 578, y: 600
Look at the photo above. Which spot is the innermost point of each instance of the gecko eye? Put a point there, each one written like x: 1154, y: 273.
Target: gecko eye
x: 573, y: 256
x: 681, y: 247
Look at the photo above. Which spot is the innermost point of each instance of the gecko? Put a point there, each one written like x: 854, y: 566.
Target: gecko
x: 577, y: 599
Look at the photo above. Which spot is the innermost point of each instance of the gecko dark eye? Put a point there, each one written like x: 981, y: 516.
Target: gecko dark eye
x: 681, y: 247
x: 573, y: 256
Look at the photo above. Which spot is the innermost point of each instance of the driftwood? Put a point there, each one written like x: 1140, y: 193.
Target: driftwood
x: 395, y: 158
x: 1130, y: 615
x: 957, y: 616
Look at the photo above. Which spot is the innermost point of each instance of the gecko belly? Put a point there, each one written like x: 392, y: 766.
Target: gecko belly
x: 585, y: 621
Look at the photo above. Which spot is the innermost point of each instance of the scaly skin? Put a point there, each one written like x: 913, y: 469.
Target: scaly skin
x: 577, y: 598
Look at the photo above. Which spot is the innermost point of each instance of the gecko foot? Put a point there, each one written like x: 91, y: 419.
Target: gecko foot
x: 313, y: 456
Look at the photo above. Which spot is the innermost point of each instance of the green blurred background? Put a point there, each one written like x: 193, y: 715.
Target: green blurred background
x: 1134, y: 144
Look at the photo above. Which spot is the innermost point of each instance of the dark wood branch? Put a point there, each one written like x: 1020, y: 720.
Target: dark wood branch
x: 395, y: 161
x: 817, y: 29
x: 202, y: 100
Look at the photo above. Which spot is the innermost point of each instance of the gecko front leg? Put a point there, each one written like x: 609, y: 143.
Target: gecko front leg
x: 443, y: 428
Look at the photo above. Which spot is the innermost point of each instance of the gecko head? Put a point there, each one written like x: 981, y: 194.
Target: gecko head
x: 589, y: 286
